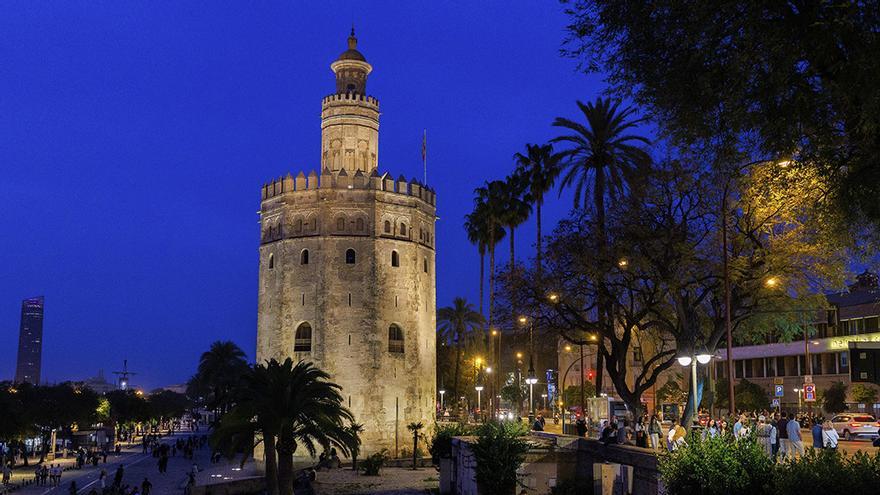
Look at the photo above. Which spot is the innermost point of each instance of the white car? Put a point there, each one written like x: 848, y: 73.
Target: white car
x: 855, y: 425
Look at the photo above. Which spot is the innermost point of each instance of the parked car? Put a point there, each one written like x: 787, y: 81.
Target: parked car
x: 855, y: 425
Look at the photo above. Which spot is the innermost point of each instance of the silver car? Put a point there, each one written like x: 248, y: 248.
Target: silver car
x: 855, y: 425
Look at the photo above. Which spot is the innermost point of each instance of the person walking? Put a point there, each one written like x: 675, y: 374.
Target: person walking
x: 117, y: 478
x: 795, y: 441
x: 783, y: 435
x: 102, y: 479
x: 72, y: 488
x: 146, y: 487
x: 829, y: 436
x: 581, y: 427
x: 774, y: 438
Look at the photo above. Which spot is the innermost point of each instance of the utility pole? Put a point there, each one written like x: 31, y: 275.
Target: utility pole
x: 727, y: 325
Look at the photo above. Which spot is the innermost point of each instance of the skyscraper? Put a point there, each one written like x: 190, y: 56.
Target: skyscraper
x: 30, y: 341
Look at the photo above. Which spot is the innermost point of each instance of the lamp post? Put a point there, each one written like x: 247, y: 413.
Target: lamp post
x: 544, y: 396
x: 798, y: 392
x: 532, y: 378
x: 701, y: 356
x: 479, y: 389
x: 441, y: 399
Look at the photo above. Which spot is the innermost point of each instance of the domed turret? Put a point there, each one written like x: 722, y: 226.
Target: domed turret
x: 351, y: 69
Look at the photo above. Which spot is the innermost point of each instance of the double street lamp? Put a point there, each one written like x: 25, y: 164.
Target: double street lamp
x: 701, y: 356
x: 531, y: 379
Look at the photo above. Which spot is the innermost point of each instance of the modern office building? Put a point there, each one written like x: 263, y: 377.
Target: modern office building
x: 822, y: 356
x: 30, y: 341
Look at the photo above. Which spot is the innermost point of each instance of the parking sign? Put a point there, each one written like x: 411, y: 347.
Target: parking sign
x: 780, y: 390
x: 775, y: 403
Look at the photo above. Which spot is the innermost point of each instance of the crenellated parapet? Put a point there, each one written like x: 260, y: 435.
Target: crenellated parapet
x: 343, y: 180
x: 350, y: 98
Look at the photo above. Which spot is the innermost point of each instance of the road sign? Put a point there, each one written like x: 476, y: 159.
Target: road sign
x: 809, y: 392
x: 808, y: 378
x: 778, y: 381
x: 775, y: 403
x: 780, y: 390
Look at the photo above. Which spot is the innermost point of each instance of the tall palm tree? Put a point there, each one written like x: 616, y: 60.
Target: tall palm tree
x: 478, y: 233
x: 605, y: 156
x: 289, y: 406
x: 516, y: 208
x: 459, y: 324
x: 538, y: 169
x: 490, y: 205
x: 219, y: 371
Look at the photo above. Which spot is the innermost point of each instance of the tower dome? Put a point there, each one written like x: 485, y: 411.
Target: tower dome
x: 352, y: 53
x: 351, y: 69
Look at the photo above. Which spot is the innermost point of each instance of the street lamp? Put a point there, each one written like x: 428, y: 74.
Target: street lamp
x: 532, y: 379
x: 479, y: 389
x: 798, y: 392
x: 544, y: 396
x: 701, y: 356
x: 441, y: 399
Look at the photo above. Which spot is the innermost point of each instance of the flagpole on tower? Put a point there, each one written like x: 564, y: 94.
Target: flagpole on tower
x: 425, y: 155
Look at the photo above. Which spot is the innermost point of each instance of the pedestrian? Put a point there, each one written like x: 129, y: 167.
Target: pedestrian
x: 654, y: 429
x: 763, y: 433
x: 676, y: 435
x: 795, y: 441
x: 581, y: 427
x: 102, y: 479
x: 784, y: 445
x: 829, y: 436
x: 537, y: 426
x: 117, y: 478
x: 816, y: 431
x: 72, y: 488
x: 7, y: 474
x: 146, y: 487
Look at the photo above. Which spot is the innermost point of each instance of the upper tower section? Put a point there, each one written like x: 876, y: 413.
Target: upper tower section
x: 350, y: 118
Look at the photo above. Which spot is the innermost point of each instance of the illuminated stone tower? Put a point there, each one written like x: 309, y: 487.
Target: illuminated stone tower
x: 347, y: 269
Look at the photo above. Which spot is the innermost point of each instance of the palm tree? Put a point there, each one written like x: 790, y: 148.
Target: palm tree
x: 416, y: 429
x: 289, y: 406
x: 355, y: 429
x: 459, y: 324
x: 220, y: 368
x: 490, y: 203
x: 516, y: 208
x: 607, y: 153
x: 538, y: 169
x: 478, y: 233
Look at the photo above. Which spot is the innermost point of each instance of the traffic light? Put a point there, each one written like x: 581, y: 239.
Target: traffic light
x: 590, y: 374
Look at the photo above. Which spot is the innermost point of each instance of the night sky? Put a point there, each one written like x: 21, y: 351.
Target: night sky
x: 135, y: 136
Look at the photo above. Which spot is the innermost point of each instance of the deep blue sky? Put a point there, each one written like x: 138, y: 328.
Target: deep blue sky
x: 134, y: 137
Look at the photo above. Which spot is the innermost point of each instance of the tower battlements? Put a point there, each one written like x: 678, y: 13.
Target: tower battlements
x: 349, y: 98
x: 343, y: 180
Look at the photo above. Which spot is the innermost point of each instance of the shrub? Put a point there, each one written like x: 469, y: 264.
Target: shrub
x: 829, y: 472
x: 441, y: 442
x: 373, y: 463
x: 717, y: 466
x: 499, y: 451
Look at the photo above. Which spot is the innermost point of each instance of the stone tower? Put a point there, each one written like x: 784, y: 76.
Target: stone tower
x: 347, y: 269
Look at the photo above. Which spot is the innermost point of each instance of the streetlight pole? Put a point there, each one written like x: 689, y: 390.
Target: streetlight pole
x: 441, y: 399
x: 727, y: 325
x: 701, y: 356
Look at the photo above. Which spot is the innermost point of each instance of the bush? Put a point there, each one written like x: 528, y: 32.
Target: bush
x: 441, y: 442
x: 373, y: 463
x: 722, y: 466
x: 829, y: 472
x: 717, y: 466
x: 499, y: 451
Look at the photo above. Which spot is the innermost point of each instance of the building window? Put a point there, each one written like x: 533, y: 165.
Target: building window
x: 425, y: 265
x: 780, y: 366
x: 395, y: 258
x: 350, y: 257
x: 844, y: 362
x: 298, y: 225
x: 402, y: 229
x: 395, y: 339
x: 302, y: 340
x: 271, y: 261
x: 340, y: 224
x: 738, y: 368
x: 387, y: 227
x: 359, y: 224
x: 304, y: 257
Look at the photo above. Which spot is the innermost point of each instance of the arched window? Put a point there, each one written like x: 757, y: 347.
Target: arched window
x: 298, y: 225
x: 302, y: 340
x: 359, y: 224
x: 395, y: 339
x: 340, y: 223
x: 387, y: 227
x: 395, y: 258
x: 271, y: 261
x: 350, y: 257
x: 402, y: 228
x: 304, y: 257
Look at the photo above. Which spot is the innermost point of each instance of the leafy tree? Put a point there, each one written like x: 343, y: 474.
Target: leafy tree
x: 671, y: 391
x: 572, y: 393
x: 167, y: 404
x: 834, y: 398
x: 745, y: 65
x: 490, y: 206
x: 459, y: 326
x: 514, y: 394
x: 863, y: 394
x: 354, y: 431
x: 749, y: 395
x: 289, y: 406
x: 477, y: 225
x: 538, y: 170
x: 441, y: 442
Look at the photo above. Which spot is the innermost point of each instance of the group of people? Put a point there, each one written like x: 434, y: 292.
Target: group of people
x: 48, y: 475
